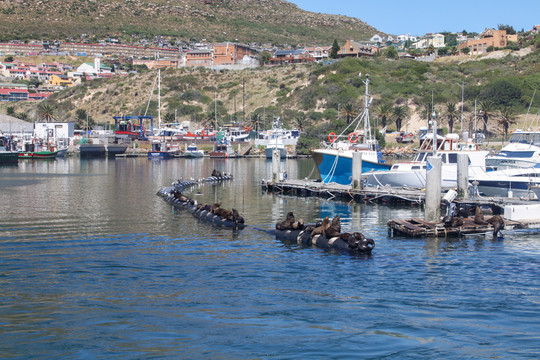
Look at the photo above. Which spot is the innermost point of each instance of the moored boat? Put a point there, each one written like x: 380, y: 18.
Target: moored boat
x: 192, y: 151
x: 159, y: 151
x: 223, y: 149
x: 334, y: 160
x: 7, y: 155
x: 523, y: 150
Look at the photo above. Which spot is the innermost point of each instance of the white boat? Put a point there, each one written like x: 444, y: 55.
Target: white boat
x: 223, y: 149
x: 334, y: 160
x: 8, y: 155
x: 523, y: 150
x: 275, y: 138
x: 193, y: 152
x: 413, y: 173
x: 235, y: 133
x: 509, y: 182
x: 276, y: 144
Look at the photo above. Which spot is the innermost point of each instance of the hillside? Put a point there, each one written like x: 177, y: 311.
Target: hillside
x: 246, y: 21
x: 307, y: 95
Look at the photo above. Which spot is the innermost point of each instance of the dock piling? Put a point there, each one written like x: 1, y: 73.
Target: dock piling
x: 463, y: 175
x: 357, y: 170
x: 433, y: 189
x: 275, y: 165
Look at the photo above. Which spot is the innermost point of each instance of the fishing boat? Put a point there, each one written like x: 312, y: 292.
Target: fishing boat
x: 334, y: 159
x: 201, y: 134
x: 223, y: 149
x: 8, y: 156
x: 32, y: 151
x: 413, y: 173
x: 276, y: 139
x: 192, y: 151
x: 159, y: 151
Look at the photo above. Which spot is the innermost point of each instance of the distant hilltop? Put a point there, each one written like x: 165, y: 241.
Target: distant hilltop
x: 246, y: 21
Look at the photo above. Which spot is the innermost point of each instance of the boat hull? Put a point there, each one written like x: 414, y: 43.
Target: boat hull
x: 340, y: 171
x: 282, y: 152
x: 9, y: 158
x: 114, y: 149
x: 193, y: 154
x: 159, y: 155
x: 91, y: 150
x: 38, y: 155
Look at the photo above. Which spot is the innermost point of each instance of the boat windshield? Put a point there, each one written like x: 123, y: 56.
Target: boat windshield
x: 525, y: 138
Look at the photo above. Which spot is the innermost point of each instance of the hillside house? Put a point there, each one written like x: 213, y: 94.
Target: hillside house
x: 60, y: 80
x: 231, y: 53
x: 490, y: 37
x: 319, y: 52
x: 353, y: 48
x: 199, y: 58
x: 7, y: 94
x: 290, y: 57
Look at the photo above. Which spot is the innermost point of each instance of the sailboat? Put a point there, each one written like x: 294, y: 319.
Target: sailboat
x: 334, y: 161
x: 159, y: 148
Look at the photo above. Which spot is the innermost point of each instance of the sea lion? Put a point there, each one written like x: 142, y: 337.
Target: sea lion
x: 463, y: 213
x: 298, y: 225
x: 456, y: 222
x: 334, y: 229
x: 214, y: 207
x: 479, y: 217
x: 498, y: 224
x: 216, y: 173
x: 236, y: 217
x: 224, y: 213
x: 447, y: 221
x: 287, y: 224
x: 321, y: 230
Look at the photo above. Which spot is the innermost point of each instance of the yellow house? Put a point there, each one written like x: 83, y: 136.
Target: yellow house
x: 60, y: 80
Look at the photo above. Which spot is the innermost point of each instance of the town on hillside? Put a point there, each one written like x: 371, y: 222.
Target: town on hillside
x: 22, y: 81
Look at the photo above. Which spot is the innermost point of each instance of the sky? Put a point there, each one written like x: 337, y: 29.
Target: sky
x: 419, y: 17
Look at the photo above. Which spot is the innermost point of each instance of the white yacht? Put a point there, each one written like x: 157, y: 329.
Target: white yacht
x: 523, y: 150
x: 413, y: 173
x: 192, y: 151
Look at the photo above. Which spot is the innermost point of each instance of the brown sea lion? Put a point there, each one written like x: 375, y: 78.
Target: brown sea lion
x: 224, y: 213
x: 447, y: 221
x: 298, y: 225
x: 287, y: 224
x: 236, y: 217
x: 214, y: 207
x: 498, y: 224
x: 216, y: 173
x: 479, y: 217
x: 321, y: 230
x: 334, y: 229
x: 456, y: 222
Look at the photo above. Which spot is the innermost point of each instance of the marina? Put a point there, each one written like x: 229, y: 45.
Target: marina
x: 108, y: 264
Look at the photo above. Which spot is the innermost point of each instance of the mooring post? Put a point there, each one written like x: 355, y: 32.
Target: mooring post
x: 433, y: 189
x: 275, y: 165
x: 463, y: 176
x: 357, y: 170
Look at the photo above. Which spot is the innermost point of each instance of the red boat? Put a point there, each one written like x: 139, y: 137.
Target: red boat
x: 203, y: 134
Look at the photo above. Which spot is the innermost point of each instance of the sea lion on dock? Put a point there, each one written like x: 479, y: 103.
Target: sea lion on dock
x: 456, y: 222
x: 498, y: 224
x: 479, y: 217
x: 216, y: 173
x: 334, y: 230
x: 236, y: 217
x: 287, y: 224
x: 224, y: 213
x: 214, y: 207
x: 321, y: 230
x: 298, y: 225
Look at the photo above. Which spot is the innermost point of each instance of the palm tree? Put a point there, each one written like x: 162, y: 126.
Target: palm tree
x: 348, y: 111
x: 507, y: 118
x: 169, y: 117
x: 486, y: 107
x: 301, y: 122
x: 46, y: 112
x: 431, y: 49
x: 454, y: 50
x: 451, y: 113
x: 399, y: 113
x: 385, y: 111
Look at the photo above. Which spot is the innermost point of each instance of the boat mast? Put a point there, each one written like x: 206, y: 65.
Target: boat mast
x: 367, y: 127
x: 159, y: 98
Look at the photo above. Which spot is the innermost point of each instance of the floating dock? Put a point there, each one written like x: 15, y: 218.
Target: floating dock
x: 307, y: 188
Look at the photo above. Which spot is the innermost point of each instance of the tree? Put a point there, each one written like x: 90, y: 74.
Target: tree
x: 507, y: 118
x: 466, y: 50
x: 486, y: 107
x: 442, y: 51
x: 431, y: 49
x: 301, y: 122
x: 46, y: 112
x: 391, y: 53
x: 84, y: 121
x: 8, y: 59
x: 169, y: 117
x: 509, y: 29
x: 451, y: 113
x: 453, y: 50
x: 502, y: 92
x: 385, y: 111
x: 10, y: 110
x: 335, y: 50
x: 399, y: 113
x: 348, y: 111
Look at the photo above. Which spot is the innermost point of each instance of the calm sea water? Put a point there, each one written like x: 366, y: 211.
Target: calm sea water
x: 94, y: 265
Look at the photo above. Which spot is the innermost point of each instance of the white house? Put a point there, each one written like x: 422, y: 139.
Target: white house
x: 376, y: 38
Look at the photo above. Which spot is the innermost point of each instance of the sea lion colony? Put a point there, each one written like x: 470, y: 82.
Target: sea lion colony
x: 327, y: 228
x: 216, y: 209
x: 456, y: 221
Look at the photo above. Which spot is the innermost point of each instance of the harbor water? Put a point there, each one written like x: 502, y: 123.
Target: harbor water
x: 94, y: 265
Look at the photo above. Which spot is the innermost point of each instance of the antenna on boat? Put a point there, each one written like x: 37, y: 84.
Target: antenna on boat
x: 159, y: 99
x: 526, y: 116
x: 462, y: 102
